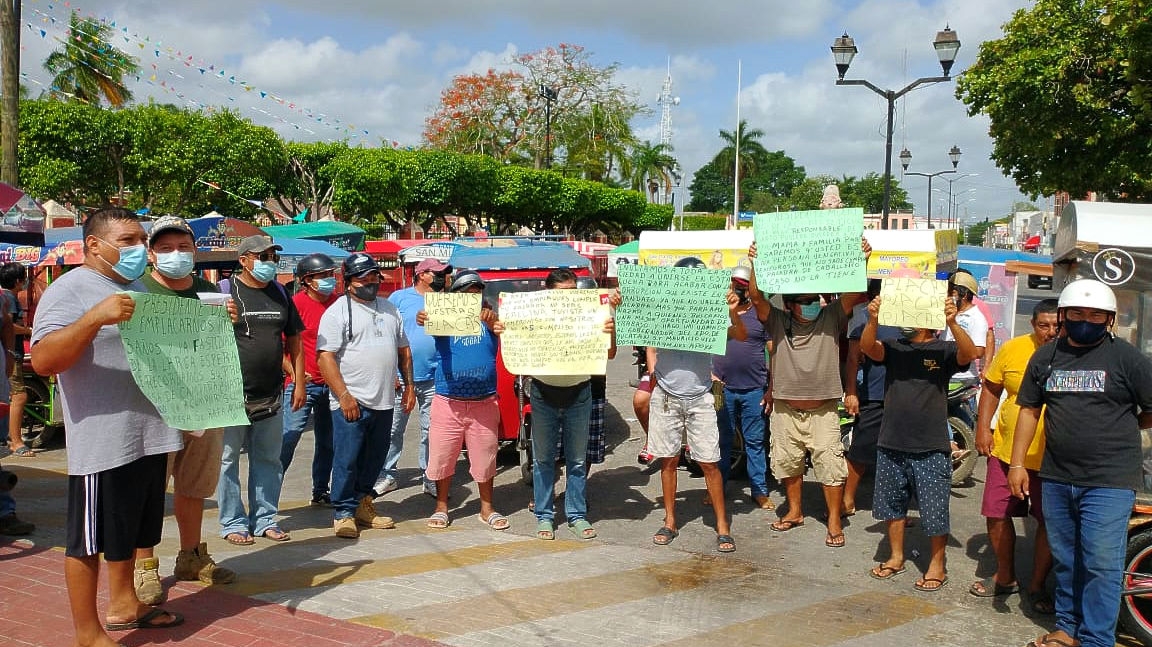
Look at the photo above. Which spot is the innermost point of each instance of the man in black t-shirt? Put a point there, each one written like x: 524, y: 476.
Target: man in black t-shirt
x: 266, y: 325
x: 1097, y: 394
x: 912, y: 456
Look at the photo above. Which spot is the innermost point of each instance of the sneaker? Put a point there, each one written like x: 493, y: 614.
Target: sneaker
x: 146, y: 581
x: 366, y: 516
x: 384, y: 486
x: 346, y: 528
x: 430, y: 489
x: 13, y: 526
x: 323, y: 500
x: 197, y: 564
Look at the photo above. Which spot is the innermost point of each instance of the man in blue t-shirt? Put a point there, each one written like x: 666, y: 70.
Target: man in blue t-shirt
x: 429, y: 277
x: 465, y: 411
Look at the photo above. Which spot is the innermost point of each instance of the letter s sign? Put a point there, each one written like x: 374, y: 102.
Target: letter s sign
x: 1113, y: 266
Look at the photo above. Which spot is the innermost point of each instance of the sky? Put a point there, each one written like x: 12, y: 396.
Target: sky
x: 371, y: 71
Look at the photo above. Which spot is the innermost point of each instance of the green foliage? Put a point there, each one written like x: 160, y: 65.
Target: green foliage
x: 87, y: 67
x: 974, y: 235
x: 866, y: 192
x: 767, y: 178
x: 655, y: 217
x: 1066, y: 90
x: 698, y: 222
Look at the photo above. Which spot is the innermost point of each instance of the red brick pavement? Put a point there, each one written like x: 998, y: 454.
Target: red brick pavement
x: 34, y: 611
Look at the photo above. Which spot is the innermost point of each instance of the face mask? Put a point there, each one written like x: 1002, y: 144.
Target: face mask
x: 133, y: 260
x: 909, y: 333
x: 1085, y: 332
x: 438, y: 282
x: 175, y: 265
x: 264, y: 271
x: 326, y: 286
x: 366, y: 292
x: 810, y: 310
x: 742, y: 294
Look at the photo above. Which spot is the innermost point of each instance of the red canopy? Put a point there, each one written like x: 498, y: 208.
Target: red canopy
x: 1032, y: 243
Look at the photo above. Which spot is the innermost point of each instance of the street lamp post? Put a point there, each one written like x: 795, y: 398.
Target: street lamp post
x: 844, y: 50
x: 950, y: 181
x: 549, y: 95
x: 906, y: 159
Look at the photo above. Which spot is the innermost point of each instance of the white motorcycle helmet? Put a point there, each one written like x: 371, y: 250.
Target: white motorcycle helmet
x: 1087, y: 293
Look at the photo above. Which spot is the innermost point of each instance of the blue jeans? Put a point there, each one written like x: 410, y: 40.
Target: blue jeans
x: 7, y: 503
x: 1088, y: 532
x: 742, y: 409
x: 424, y: 392
x: 549, y: 425
x: 359, y: 449
x: 316, y: 408
x: 265, y: 477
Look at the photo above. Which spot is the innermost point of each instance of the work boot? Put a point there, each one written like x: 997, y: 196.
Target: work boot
x: 366, y: 515
x: 146, y: 581
x: 13, y: 526
x: 346, y: 528
x: 197, y: 564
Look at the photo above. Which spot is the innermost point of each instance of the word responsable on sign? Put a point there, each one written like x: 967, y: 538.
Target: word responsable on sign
x: 680, y: 308
x: 183, y: 356
x: 913, y: 303
x: 555, y: 332
x: 452, y: 314
x: 810, y: 252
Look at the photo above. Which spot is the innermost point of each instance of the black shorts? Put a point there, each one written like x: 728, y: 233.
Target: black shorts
x: 865, y: 433
x: 118, y: 510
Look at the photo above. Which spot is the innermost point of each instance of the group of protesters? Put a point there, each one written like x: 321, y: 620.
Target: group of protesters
x: 353, y: 365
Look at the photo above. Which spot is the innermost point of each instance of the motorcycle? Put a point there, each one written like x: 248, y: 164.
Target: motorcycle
x: 961, y: 418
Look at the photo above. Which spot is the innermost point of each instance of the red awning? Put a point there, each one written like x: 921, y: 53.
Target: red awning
x: 1032, y: 242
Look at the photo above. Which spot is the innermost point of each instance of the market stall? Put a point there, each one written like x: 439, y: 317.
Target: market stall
x: 336, y: 233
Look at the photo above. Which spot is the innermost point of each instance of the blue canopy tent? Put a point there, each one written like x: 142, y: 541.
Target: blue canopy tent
x: 526, y: 254
x: 297, y: 248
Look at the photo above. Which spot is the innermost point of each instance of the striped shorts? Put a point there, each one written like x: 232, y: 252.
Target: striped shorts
x: 118, y: 510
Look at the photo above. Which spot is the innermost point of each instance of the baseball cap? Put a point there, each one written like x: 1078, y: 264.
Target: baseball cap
x: 430, y: 265
x: 169, y: 223
x: 256, y: 245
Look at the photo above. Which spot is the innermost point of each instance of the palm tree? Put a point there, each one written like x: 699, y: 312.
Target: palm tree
x: 650, y: 167
x: 746, y: 140
x: 87, y: 67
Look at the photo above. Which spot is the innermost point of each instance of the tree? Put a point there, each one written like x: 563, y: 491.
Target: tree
x: 866, y: 193
x: 87, y: 67
x: 747, y: 141
x: 10, y: 88
x: 1069, y: 113
x: 710, y: 190
x: 303, y: 187
x: 768, y: 185
x: 651, y: 166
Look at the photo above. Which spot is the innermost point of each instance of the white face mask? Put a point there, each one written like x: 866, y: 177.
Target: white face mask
x: 175, y: 265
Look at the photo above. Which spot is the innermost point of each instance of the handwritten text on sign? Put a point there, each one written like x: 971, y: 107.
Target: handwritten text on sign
x: 183, y: 356
x: 681, y: 308
x: 913, y: 303
x: 452, y: 314
x: 555, y: 332
x: 810, y: 252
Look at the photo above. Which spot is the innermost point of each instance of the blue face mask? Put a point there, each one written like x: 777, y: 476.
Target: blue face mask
x: 264, y: 271
x: 326, y: 286
x: 133, y: 260
x: 810, y: 310
x: 175, y: 265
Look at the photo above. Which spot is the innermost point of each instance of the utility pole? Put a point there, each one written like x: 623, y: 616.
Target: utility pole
x: 10, y: 88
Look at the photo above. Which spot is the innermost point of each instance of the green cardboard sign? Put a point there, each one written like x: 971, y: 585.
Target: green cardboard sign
x: 183, y: 356
x: 810, y: 252
x: 679, y: 308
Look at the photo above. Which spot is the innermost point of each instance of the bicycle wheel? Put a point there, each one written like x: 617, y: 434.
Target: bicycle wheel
x: 37, y: 428
x: 1136, y: 594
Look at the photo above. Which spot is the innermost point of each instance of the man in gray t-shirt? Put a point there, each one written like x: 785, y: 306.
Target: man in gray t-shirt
x: 117, y: 442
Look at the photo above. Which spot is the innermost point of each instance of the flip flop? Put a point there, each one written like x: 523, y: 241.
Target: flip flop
x: 275, y: 533
x: 1041, y: 603
x: 145, y: 621
x: 664, y: 536
x: 545, y: 530
x: 834, y: 541
x: 725, y: 544
x: 24, y: 451
x: 990, y: 588
x: 439, y: 520
x: 884, y: 572
x: 582, y: 529
x: 763, y: 502
x: 1047, y: 639
x: 922, y: 584
x: 784, y: 525
x: 241, y: 538
x: 495, y: 521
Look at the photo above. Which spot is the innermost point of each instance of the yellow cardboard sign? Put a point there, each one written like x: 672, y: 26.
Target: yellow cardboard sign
x: 452, y: 314
x: 555, y: 332
x: 913, y: 303
x: 888, y: 264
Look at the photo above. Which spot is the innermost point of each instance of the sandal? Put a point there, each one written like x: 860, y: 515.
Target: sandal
x: 784, y: 525
x: 146, y: 621
x: 725, y: 544
x: 1041, y: 603
x: 930, y: 584
x: 495, y: 521
x: 23, y: 451
x: 241, y: 538
x: 1047, y: 639
x: 275, y: 533
x: 439, y: 520
x: 885, y: 572
x: 664, y: 536
x: 582, y: 529
x: 990, y: 588
x: 545, y: 530
x: 834, y: 541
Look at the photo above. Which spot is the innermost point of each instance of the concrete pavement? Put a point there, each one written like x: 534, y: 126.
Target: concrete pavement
x: 471, y: 586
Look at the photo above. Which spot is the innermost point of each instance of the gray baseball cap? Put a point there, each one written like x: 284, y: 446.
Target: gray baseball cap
x: 257, y: 245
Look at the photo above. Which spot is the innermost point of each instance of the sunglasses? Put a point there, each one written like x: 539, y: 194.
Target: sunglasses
x: 268, y: 257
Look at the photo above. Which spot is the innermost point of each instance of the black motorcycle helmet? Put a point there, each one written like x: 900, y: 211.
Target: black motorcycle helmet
x: 314, y: 264
x: 691, y: 261
x: 357, y: 264
x: 465, y: 279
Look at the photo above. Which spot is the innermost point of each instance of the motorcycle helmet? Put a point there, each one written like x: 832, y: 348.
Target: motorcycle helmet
x: 314, y: 264
x: 1087, y: 293
x: 359, y: 264
x: 691, y: 261
x: 586, y: 283
x: 465, y: 279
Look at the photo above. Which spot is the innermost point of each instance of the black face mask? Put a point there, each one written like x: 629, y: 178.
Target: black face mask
x: 742, y: 294
x: 366, y: 292
x: 438, y: 281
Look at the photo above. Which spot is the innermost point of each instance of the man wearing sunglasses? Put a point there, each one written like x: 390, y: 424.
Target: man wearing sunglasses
x: 268, y: 326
